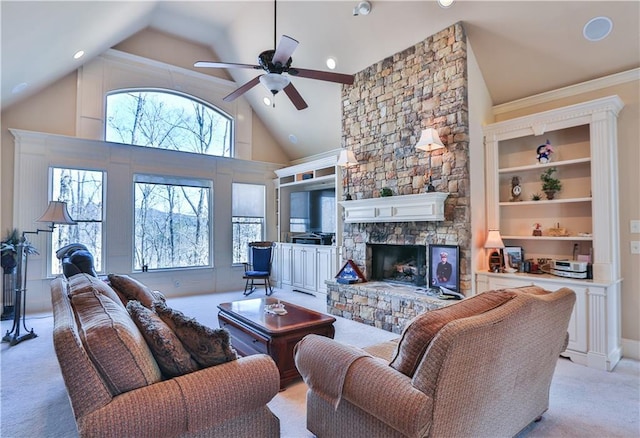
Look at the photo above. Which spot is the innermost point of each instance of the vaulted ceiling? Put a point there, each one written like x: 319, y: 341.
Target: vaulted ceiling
x: 522, y: 48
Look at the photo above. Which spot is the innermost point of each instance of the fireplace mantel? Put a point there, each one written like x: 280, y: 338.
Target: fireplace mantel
x: 404, y: 208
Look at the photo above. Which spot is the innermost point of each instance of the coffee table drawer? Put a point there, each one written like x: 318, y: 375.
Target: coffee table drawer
x: 243, y: 340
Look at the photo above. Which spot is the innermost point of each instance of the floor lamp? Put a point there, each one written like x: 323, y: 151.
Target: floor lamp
x: 56, y: 213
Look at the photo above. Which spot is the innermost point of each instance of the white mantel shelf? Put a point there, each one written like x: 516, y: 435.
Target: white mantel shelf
x: 405, y: 208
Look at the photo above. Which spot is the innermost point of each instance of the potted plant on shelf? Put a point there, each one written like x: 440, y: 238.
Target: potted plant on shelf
x: 9, y: 251
x: 550, y: 185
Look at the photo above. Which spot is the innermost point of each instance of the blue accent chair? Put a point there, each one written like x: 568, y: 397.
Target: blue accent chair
x: 258, y: 270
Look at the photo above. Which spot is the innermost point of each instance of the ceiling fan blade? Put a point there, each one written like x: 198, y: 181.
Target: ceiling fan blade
x: 210, y: 64
x: 322, y: 75
x: 240, y: 91
x: 295, y: 97
x: 285, y: 49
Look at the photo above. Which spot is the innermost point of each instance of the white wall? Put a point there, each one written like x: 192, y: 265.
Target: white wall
x: 37, y: 152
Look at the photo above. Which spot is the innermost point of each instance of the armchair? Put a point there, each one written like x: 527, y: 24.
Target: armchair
x: 259, y: 267
x: 486, y: 371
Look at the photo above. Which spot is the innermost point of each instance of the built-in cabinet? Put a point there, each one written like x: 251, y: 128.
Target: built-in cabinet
x: 581, y: 219
x: 306, y: 267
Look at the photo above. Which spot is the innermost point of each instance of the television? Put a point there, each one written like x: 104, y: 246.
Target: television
x: 444, y: 267
x: 313, y: 211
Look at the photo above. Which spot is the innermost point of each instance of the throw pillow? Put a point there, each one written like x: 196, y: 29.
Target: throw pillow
x: 419, y: 333
x: 132, y: 289
x: 83, y: 282
x: 173, y: 359
x: 113, y: 342
x: 207, y: 346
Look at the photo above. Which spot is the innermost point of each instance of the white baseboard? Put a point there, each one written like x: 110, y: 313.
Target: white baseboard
x: 631, y: 349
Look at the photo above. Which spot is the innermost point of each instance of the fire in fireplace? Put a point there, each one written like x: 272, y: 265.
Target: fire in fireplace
x: 398, y: 263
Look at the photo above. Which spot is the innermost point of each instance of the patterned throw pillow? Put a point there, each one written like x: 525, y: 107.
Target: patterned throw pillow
x: 207, y: 346
x: 419, y: 333
x: 132, y: 289
x: 173, y: 359
x: 113, y: 342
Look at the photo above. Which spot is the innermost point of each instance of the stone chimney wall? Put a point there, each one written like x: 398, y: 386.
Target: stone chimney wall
x: 384, y: 112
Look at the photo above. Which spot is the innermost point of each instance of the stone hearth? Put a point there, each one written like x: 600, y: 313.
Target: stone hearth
x: 380, y: 304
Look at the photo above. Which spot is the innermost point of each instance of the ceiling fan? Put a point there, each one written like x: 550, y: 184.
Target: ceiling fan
x: 277, y: 65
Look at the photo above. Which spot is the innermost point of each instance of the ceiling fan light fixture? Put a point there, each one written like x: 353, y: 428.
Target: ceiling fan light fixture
x: 274, y: 82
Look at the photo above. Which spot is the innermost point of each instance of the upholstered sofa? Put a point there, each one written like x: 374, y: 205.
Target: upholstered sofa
x: 118, y: 389
x: 481, y: 367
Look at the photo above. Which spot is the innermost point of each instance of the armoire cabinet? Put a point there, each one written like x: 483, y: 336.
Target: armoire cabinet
x: 582, y: 219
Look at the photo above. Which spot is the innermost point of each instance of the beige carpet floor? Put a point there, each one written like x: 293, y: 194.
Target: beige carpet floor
x: 33, y: 400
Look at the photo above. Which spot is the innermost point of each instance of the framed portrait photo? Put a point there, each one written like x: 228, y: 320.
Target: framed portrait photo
x: 444, y: 267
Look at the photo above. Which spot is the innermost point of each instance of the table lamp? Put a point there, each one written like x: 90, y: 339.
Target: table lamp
x: 494, y: 242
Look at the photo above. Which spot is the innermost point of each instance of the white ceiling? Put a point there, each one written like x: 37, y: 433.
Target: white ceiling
x: 522, y: 48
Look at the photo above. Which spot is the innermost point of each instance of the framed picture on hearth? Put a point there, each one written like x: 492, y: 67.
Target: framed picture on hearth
x: 444, y: 267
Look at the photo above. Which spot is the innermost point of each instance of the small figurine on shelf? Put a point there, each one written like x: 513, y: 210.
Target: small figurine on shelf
x: 544, y: 152
x: 537, y: 231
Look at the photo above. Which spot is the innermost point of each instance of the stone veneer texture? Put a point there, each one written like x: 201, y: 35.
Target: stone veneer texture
x: 384, y: 112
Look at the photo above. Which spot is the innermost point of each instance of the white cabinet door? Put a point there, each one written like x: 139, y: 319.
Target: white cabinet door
x: 284, y: 264
x: 326, y: 267
x: 297, y: 263
x: 309, y: 280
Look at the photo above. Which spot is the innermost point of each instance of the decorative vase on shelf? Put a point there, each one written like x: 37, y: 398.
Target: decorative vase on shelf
x: 550, y: 194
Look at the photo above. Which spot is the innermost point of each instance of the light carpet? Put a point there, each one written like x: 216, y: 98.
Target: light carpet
x: 33, y: 399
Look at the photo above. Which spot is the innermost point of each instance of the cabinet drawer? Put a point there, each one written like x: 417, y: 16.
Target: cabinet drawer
x: 243, y: 340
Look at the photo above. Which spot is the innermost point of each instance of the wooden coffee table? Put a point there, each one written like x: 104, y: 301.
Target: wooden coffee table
x: 254, y: 331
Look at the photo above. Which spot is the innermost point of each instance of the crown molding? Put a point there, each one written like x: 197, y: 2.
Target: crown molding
x: 571, y: 90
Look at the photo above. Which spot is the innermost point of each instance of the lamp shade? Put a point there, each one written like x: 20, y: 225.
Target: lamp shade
x: 57, y: 213
x: 346, y: 159
x: 429, y: 140
x: 274, y: 82
x: 494, y: 240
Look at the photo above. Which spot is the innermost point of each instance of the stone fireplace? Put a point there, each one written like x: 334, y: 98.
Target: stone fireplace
x: 384, y: 112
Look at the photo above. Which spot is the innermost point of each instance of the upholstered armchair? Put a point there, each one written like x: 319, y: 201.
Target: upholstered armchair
x: 480, y: 367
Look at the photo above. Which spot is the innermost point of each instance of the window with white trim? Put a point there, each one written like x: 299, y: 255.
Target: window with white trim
x: 83, y: 191
x: 248, y: 217
x: 171, y: 222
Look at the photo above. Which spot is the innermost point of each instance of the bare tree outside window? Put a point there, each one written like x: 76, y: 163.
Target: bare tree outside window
x: 248, y: 212
x: 166, y: 120
x: 171, y: 224
x: 82, y: 190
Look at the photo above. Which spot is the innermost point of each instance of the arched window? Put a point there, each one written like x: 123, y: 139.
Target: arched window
x: 167, y: 120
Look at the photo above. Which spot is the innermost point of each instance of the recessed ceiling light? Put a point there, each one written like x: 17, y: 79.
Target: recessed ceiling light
x: 293, y: 139
x: 331, y: 63
x: 597, y: 28
x: 19, y: 88
x: 445, y: 3
x: 79, y: 54
x: 266, y: 101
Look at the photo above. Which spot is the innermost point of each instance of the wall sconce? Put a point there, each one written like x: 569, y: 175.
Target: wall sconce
x: 494, y: 241
x: 347, y: 159
x: 429, y: 141
x: 56, y: 213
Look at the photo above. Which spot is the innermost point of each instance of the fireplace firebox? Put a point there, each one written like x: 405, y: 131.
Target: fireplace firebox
x: 405, y: 264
